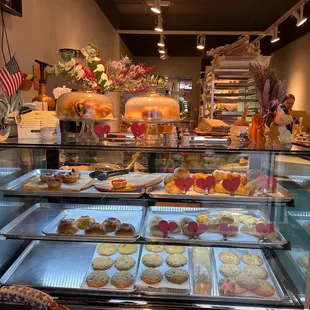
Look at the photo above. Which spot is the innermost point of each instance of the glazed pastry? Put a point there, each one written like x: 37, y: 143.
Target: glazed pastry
x: 111, y: 223
x: 185, y: 220
x: 126, y: 230
x: 169, y: 178
x: 202, y: 218
x: 84, y: 221
x: 44, y: 177
x: 155, y: 220
x: 95, y: 229
x: 225, y: 217
x: 71, y: 177
x: 171, y: 188
x: 119, y: 183
x: 67, y: 226
x: 181, y: 173
x: 54, y: 184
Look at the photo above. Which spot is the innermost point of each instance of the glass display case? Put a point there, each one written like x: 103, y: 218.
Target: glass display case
x: 204, y: 226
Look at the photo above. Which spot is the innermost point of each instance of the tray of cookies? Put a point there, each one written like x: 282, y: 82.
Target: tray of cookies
x: 164, y: 270
x: 100, y: 223
x: 113, y: 268
x: 51, y: 182
x: 241, y: 226
x: 245, y: 273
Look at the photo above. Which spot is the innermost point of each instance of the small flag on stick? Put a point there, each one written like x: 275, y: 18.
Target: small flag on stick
x: 10, y: 76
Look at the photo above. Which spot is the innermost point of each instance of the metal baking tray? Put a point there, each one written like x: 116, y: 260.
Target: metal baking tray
x: 164, y: 287
x: 45, y: 216
x: 159, y: 192
x: 176, y: 213
x: 277, y: 297
x: 16, y: 187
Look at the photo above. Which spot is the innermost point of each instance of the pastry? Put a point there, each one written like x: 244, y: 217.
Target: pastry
x: 102, y: 263
x: 119, y: 183
x: 97, y: 279
x: 202, y: 218
x: 229, y: 270
x: 53, y: 183
x: 247, y: 219
x: 185, y: 220
x: 171, y: 188
x: 257, y: 272
x: 151, y: 276
x: 106, y: 249
x: 67, y: 226
x: 175, y: 249
x: 44, y: 177
x: 219, y: 175
x: 213, y: 225
x: 154, y: 248
x: 152, y: 260
x: 251, y: 230
x: 252, y: 259
x: 71, y: 177
x: 176, y: 260
x: 84, y: 221
x: 169, y: 178
x: 229, y: 258
x: 124, y: 262
x: 176, y: 275
x: 225, y: 217
x: 59, y: 176
x: 246, y: 281
x: 242, y: 190
x: 178, y: 229
x: 186, y: 231
x: 122, y: 279
x: 181, y: 173
x: 155, y: 220
x: 111, y: 223
x: 95, y: 229
x: 155, y: 231
x: 306, y: 226
x: 264, y: 288
x: 200, y: 175
x: 303, y: 261
x: 126, y: 230
x: 127, y: 249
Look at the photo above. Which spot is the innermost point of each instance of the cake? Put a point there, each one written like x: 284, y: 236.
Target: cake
x: 214, y: 126
x: 152, y: 107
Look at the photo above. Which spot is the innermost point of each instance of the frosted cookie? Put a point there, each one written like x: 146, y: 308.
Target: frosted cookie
x: 152, y: 260
x: 151, y: 276
x: 106, y: 249
x: 229, y: 258
x: 264, y: 288
x: 252, y: 259
x: 97, y: 279
x: 176, y: 275
x: 124, y: 262
x: 229, y: 270
x: 176, y: 260
x: 154, y: 248
x: 102, y: 263
x: 122, y: 279
x: 257, y: 272
x: 175, y: 249
x: 127, y: 248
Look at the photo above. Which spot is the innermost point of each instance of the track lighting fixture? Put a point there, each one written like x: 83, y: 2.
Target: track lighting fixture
x: 156, y: 7
x: 162, y: 51
x: 201, y: 42
x: 161, y: 42
x: 275, y: 35
x: 164, y: 56
x: 300, y: 16
x: 159, y: 24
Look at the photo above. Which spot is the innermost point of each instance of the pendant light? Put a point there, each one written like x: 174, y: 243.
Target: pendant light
x: 159, y: 24
x: 156, y: 7
x: 300, y: 16
x: 161, y: 42
x: 201, y: 42
x: 275, y: 35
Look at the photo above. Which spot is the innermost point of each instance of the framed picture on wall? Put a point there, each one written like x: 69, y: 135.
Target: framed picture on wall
x: 13, y: 7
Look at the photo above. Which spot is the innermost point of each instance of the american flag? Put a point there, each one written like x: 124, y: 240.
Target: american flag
x: 10, y: 76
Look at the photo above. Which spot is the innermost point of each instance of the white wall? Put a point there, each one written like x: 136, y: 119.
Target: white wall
x: 293, y: 63
x: 48, y: 25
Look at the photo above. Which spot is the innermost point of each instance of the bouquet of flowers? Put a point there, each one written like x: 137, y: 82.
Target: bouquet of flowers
x: 154, y: 81
x: 92, y: 77
x: 124, y: 76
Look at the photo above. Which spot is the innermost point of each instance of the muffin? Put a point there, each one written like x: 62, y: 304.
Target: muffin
x: 119, y: 183
x: 71, y: 177
x: 53, y: 183
x: 111, y: 223
x: 44, y: 177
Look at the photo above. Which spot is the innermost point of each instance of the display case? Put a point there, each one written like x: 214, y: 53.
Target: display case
x: 203, y: 226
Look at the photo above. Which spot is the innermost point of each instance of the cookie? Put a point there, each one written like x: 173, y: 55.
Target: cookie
x: 154, y: 248
x: 257, y: 272
x: 102, y: 263
x: 246, y: 281
x: 229, y: 258
x: 229, y: 270
x: 176, y: 260
x: 127, y: 249
x: 176, y: 275
x: 303, y: 261
x: 238, y: 289
x: 174, y: 249
x: 122, y: 279
x: 151, y: 276
x: 97, y: 279
x: 124, y: 262
x: 252, y: 259
x: 152, y: 260
x: 264, y: 288
x: 106, y: 249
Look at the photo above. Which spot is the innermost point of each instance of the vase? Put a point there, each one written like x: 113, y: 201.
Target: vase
x: 116, y: 99
x: 257, y: 129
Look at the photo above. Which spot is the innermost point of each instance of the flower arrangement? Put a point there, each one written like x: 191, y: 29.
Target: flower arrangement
x: 154, y: 81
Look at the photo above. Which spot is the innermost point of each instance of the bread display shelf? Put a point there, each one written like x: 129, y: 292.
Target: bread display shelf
x: 207, y: 238
x: 16, y: 187
x: 46, y: 216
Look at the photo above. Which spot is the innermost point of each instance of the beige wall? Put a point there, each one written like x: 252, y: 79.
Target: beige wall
x: 293, y: 63
x: 48, y: 25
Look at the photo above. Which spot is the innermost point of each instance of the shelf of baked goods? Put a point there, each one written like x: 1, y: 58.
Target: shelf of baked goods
x: 150, y: 271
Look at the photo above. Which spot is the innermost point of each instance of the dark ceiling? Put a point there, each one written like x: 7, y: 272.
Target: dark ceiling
x: 201, y: 15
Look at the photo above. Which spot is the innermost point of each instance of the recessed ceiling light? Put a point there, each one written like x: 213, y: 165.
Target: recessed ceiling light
x: 159, y: 25
x: 156, y: 7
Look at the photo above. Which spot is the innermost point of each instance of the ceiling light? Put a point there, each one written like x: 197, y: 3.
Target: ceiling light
x: 201, y: 42
x: 159, y: 25
x: 156, y: 7
x: 300, y: 16
x: 162, y: 51
x: 164, y: 56
x: 275, y: 35
x: 161, y: 43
